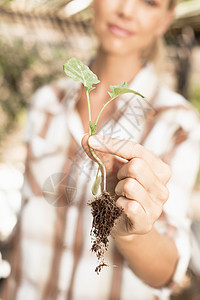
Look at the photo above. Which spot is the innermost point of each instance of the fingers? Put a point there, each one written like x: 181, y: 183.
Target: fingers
x: 84, y: 143
x: 131, y: 189
x: 106, y: 158
x: 139, y: 170
x: 142, y: 179
x: 117, y: 147
x: 86, y: 148
x: 128, y: 150
x: 142, y: 207
x: 141, y: 222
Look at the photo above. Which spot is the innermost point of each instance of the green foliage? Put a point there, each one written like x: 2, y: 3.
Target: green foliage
x: 11, y: 72
x: 93, y: 127
x: 23, y: 68
x: 78, y: 71
x: 198, y: 178
x: 117, y: 90
x: 75, y: 69
x: 194, y: 96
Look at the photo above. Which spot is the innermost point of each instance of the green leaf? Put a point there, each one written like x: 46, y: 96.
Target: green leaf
x: 78, y: 71
x: 96, y: 185
x: 117, y: 90
x: 93, y: 128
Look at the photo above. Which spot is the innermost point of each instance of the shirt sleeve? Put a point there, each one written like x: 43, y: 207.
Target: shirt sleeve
x: 44, y: 101
x: 178, y: 208
x: 184, y: 165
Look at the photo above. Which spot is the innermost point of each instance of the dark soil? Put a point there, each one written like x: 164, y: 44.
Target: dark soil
x: 105, y: 213
x: 191, y: 291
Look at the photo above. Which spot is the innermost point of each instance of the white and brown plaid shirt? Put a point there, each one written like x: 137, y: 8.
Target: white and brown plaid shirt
x: 51, y: 257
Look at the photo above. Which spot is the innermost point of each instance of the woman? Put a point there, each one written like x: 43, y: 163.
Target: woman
x: 147, y: 260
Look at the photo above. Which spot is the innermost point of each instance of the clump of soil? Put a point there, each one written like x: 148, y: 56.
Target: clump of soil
x: 105, y: 213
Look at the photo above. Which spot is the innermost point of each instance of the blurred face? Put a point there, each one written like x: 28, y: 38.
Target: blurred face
x: 128, y: 26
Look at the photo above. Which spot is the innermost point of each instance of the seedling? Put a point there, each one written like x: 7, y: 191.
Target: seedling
x: 75, y: 69
x: 104, y: 210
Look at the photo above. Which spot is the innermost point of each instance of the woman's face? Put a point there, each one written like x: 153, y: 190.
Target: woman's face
x: 128, y: 26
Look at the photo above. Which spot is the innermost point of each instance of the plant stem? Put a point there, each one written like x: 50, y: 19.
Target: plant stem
x: 103, y: 170
x: 104, y: 106
x: 89, y: 110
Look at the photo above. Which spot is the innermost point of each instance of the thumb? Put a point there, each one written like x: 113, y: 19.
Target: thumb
x: 86, y: 147
x: 84, y: 143
x: 106, y: 144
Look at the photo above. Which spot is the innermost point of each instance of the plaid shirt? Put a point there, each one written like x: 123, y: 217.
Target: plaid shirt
x: 51, y: 257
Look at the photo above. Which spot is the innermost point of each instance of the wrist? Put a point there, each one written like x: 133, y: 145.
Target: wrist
x: 125, y: 238
x: 130, y: 238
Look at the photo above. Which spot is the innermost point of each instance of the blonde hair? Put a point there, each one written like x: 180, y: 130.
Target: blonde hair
x: 156, y: 52
x: 172, y: 4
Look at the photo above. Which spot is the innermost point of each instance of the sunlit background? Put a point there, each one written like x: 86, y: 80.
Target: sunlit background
x: 36, y: 38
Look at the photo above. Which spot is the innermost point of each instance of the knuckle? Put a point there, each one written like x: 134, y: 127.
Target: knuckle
x: 128, y: 186
x: 131, y: 168
x: 157, y: 213
x: 117, y: 188
x: 148, y: 227
x: 134, y: 208
x: 164, y: 194
x: 167, y: 172
x: 145, y: 227
x: 135, y: 166
x: 119, y: 174
x: 136, y: 149
x: 120, y: 202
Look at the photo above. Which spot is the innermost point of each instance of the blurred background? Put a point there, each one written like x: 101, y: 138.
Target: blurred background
x: 36, y: 39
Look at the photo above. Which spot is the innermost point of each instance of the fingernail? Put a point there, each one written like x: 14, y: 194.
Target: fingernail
x: 95, y: 142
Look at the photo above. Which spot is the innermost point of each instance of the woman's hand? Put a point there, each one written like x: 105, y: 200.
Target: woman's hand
x: 140, y: 182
